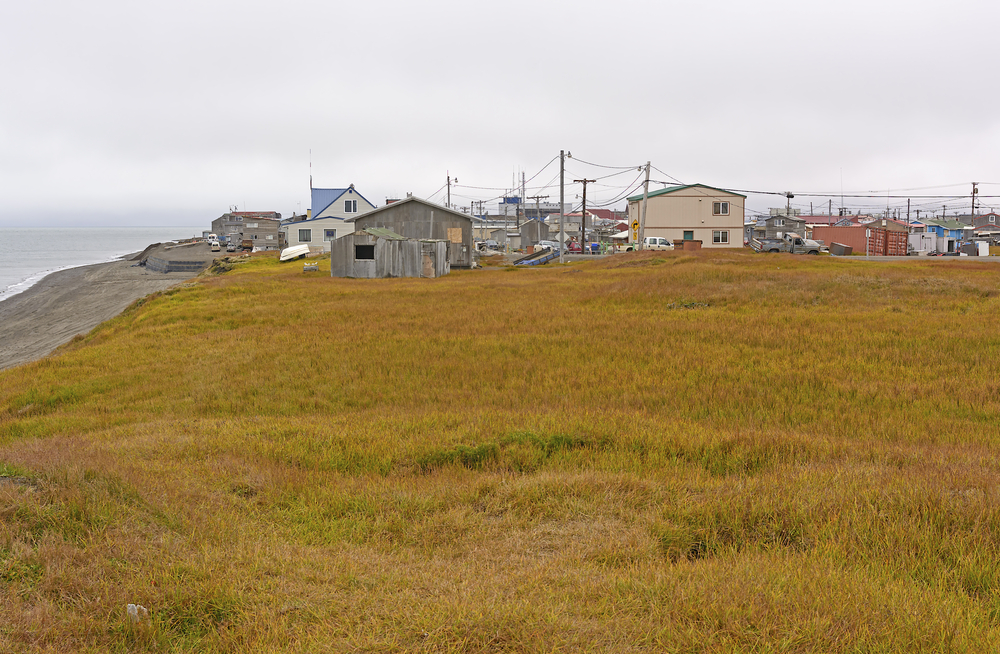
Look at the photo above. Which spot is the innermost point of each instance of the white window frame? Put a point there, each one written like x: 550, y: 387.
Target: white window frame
x: 308, y: 235
x: 251, y: 225
x: 350, y: 206
x: 720, y: 236
x: 328, y: 236
x: 993, y: 219
x: 720, y: 208
x: 779, y: 222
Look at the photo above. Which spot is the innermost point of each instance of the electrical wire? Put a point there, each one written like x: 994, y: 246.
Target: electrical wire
x: 603, y: 166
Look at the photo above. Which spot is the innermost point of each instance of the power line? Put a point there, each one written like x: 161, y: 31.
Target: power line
x: 602, y: 165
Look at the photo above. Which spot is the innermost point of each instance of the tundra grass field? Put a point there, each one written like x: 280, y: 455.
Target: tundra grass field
x: 712, y: 452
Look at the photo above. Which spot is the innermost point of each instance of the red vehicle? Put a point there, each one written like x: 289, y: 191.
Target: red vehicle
x: 575, y: 247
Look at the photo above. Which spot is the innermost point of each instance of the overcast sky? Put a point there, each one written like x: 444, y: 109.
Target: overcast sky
x: 157, y: 113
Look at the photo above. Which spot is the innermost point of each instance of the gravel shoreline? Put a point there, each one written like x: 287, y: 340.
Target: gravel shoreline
x: 74, y: 301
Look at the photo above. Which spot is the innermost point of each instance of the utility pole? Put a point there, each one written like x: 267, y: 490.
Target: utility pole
x: 907, y: 211
x: 449, y: 190
x: 972, y: 215
x: 562, y: 204
x: 830, y: 210
x: 642, y: 220
x: 538, y: 210
x: 523, y: 191
x: 584, y: 245
x: 788, y: 204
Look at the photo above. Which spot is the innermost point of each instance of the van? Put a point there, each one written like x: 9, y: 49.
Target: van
x: 656, y: 243
x: 214, y: 246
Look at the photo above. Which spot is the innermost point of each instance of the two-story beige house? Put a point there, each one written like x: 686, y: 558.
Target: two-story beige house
x: 693, y: 213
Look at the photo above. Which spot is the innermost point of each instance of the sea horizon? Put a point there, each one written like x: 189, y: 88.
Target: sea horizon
x: 29, y: 254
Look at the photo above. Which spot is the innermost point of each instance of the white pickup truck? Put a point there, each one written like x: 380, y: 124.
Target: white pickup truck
x: 790, y: 242
x: 651, y: 243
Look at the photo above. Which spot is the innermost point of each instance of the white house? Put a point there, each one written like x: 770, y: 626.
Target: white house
x: 330, y: 208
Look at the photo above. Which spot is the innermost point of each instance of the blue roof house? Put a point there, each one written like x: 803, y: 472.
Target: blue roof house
x: 330, y: 208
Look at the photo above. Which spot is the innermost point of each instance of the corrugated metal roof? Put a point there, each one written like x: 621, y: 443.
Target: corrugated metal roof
x: 384, y: 232
x: 947, y: 224
x: 674, y: 189
x: 392, y: 208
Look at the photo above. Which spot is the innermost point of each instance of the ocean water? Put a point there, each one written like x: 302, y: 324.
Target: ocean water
x: 28, y: 254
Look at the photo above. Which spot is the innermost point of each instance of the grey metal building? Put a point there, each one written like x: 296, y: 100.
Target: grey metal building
x: 378, y: 252
x: 533, y: 231
x: 421, y: 220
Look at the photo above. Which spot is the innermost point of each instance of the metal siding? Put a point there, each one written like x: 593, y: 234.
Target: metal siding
x: 422, y: 222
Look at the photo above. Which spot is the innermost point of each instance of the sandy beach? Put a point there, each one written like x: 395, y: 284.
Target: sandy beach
x: 74, y: 301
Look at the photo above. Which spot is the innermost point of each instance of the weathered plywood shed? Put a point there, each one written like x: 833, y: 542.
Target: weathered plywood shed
x: 378, y: 252
x: 421, y: 220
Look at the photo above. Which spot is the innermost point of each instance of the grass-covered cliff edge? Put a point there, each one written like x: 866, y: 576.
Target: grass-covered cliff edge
x: 711, y: 452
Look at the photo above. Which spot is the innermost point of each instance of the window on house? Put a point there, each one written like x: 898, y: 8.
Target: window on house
x: 329, y: 235
x: 251, y: 225
x: 720, y: 208
x: 305, y: 235
x: 779, y: 222
x: 365, y: 252
x: 270, y: 237
x: 688, y: 235
x: 993, y: 219
x: 350, y: 206
x: 720, y: 236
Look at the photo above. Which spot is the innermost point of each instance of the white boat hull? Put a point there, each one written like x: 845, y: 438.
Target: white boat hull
x: 294, y: 252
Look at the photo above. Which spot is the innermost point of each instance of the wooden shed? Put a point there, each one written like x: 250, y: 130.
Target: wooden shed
x: 418, y: 219
x: 378, y: 252
x: 533, y: 231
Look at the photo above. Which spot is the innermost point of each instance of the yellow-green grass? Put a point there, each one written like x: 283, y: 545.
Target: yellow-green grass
x: 671, y: 452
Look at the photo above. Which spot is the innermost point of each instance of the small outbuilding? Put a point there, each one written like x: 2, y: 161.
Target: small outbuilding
x: 533, y: 231
x: 377, y: 252
x: 417, y: 219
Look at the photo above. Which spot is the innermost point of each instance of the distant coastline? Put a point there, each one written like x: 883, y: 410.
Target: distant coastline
x: 29, y: 255
x: 73, y: 301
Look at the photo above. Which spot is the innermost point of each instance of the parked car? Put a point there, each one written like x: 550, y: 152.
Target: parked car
x: 214, y: 246
x: 575, y: 247
x: 490, y: 244
x: 552, y: 245
x: 230, y: 247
